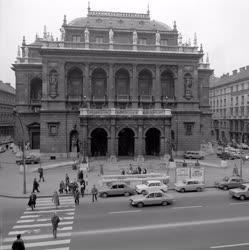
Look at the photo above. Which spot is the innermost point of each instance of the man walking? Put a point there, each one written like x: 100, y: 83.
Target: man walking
x: 18, y: 244
x: 94, y: 193
x: 35, y: 186
x: 82, y: 188
x: 77, y: 197
x: 40, y: 171
x: 55, y: 222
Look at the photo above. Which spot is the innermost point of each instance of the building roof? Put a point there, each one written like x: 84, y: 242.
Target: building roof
x: 238, y: 75
x: 119, y: 20
x: 6, y: 87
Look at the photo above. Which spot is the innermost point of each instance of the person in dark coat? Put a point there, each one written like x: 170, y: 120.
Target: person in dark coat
x: 67, y: 182
x: 94, y: 193
x: 83, y: 188
x: 144, y: 171
x: 40, y: 171
x: 80, y: 176
x: 55, y: 222
x: 18, y: 244
x: 77, y: 197
x: 32, y: 200
x: 35, y: 186
x: 62, y: 187
x: 139, y: 169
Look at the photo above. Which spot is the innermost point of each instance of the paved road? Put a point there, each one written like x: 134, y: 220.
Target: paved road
x: 207, y: 220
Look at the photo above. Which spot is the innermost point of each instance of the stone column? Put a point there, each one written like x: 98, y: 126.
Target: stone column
x: 112, y: 142
x: 139, y: 145
x: 167, y: 136
x: 157, y: 88
x: 179, y: 85
x: 87, y: 85
x: 134, y: 86
x: 110, y: 87
x: 84, y: 137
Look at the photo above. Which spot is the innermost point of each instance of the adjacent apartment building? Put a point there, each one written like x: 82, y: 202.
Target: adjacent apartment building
x: 116, y: 84
x: 229, y: 101
x: 7, y: 103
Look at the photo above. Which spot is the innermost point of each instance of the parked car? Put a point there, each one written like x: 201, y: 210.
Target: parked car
x: 2, y: 149
x: 151, y: 185
x: 226, y: 156
x: 189, y: 185
x: 243, y: 146
x: 151, y: 198
x: 29, y: 159
x: 194, y: 155
x: 229, y: 182
x: 241, y: 193
x: 116, y: 189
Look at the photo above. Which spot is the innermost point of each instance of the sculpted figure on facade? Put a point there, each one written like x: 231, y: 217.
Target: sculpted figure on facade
x: 111, y: 36
x: 53, y: 84
x: 86, y: 35
x: 26, y: 52
x: 134, y: 37
x: 158, y: 38
x: 188, y: 86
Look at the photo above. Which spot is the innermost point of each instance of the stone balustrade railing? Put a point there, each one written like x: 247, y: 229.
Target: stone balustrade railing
x: 124, y: 112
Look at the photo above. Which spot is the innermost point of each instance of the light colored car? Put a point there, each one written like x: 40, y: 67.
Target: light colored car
x: 116, y: 189
x: 243, y: 146
x: 2, y: 149
x: 241, y: 193
x: 229, y: 182
x: 194, y: 155
x: 189, y: 185
x: 151, y: 198
x: 151, y: 185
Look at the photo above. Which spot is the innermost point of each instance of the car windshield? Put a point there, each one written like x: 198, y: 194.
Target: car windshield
x: 225, y: 178
x: 145, y: 193
x: 243, y: 187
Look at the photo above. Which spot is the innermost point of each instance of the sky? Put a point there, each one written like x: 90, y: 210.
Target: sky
x: 221, y: 25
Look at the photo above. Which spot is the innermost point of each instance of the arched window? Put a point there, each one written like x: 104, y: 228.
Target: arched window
x: 36, y: 89
x: 144, y: 83
x: 122, y: 82
x: 75, y: 82
x: 99, y: 82
x: 167, y: 84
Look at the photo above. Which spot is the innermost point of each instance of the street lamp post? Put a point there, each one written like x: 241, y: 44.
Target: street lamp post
x: 23, y: 152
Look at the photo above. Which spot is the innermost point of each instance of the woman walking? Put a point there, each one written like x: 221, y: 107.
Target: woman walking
x: 55, y: 199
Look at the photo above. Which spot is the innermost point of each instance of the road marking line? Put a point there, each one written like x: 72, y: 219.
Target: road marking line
x: 186, y: 207
x: 30, y: 216
x: 127, y: 211
x: 18, y: 232
x: 25, y: 221
x: 70, y: 213
x: 52, y: 206
x: 42, y: 200
x: 41, y: 225
x: 161, y: 226
x: 49, y: 211
x: 39, y: 244
x: 65, y: 228
x: 61, y: 248
x: 239, y: 203
x: 43, y: 220
x: 35, y: 237
x: 228, y: 246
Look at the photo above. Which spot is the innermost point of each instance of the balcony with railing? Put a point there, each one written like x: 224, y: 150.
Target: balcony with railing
x: 125, y: 112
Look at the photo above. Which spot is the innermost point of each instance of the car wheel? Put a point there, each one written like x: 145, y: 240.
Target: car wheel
x: 225, y: 188
x: 242, y: 197
x: 126, y: 194
x: 182, y: 190
x: 140, y: 204
x: 164, y: 203
x: 104, y: 195
x: 198, y: 189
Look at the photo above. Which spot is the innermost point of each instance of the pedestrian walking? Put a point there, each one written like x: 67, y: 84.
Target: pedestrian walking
x: 40, y: 171
x: 94, y: 193
x: 62, y: 187
x: 80, y: 176
x: 77, y: 197
x: 144, y: 171
x: 122, y: 172
x: 18, y: 244
x: 139, y: 169
x: 75, y: 185
x: 32, y: 200
x: 83, y: 188
x: 35, y: 186
x: 55, y: 222
x: 67, y: 181
x: 55, y: 199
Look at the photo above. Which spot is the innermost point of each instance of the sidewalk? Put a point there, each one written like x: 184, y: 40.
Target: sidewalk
x: 11, y: 180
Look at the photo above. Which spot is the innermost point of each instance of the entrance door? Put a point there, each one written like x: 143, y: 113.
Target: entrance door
x: 99, y: 142
x: 152, y: 142
x: 35, y: 140
x: 126, y: 142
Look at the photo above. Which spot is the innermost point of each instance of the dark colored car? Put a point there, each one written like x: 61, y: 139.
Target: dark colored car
x: 116, y: 189
x: 29, y: 159
x: 229, y: 182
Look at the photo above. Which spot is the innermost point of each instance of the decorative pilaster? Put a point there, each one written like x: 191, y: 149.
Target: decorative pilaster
x: 139, y: 145
x: 157, y: 88
x: 86, y: 86
x: 112, y: 140
x: 110, y: 87
x: 134, y: 85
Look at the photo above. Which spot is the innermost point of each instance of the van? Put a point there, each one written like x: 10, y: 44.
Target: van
x: 194, y: 155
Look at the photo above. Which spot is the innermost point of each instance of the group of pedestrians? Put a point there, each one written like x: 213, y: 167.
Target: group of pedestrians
x: 132, y: 170
x: 36, y: 183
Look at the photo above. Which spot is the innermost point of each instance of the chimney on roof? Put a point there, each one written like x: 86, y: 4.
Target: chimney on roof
x: 235, y: 72
x: 242, y: 69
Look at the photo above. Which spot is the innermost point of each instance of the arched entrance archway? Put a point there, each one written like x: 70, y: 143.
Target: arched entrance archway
x: 74, y: 142
x: 152, y: 142
x: 99, y: 142
x: 126, y: 142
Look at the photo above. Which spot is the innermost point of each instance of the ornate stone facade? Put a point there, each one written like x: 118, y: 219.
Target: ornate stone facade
x: 127, y: 90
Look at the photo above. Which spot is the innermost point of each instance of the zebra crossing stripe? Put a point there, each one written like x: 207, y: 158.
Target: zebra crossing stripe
x: 61, y: 248
x: 19, y: 232
x: 40, y: 244
x: 42, y: 200
x: 65, y: 228
x: 30, y: 216
x: 43, y: 220
x: 41, y: 225
x: 41, y: 236
x: 52, y: 206
x: 49, y: 211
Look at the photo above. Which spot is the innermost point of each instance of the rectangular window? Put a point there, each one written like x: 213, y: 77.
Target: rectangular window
x: 231, y: 101
x: 225, y: 102
x: 142, y: 41
x: 237, y: 100
x: 242, y: 100
x: 76, y: 39
x: 231, y: 89
x: 242, y: 111
x: 99, y: 39
x: 164, y: 42
x: 53, y: 128
x: 189, y: 128
x: 231, y: 111
x: 237, y: 88
x: 242, y: 86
